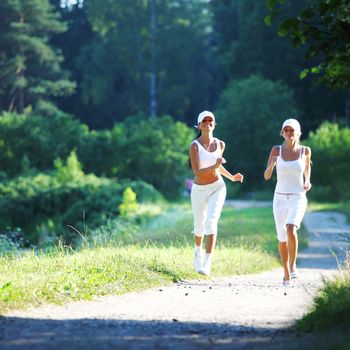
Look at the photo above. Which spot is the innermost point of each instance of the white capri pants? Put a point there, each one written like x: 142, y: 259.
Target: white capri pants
x: 207, y: 202
x: 288, y: 209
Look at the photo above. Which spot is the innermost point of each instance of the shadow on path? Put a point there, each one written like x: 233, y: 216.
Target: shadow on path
x: 131, y: 334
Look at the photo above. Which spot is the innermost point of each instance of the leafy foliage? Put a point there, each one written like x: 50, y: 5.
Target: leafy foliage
x: 129, y: 203
x: 247, y: 46
x: 330, y: 145
x: 154, y: 151
x: 30, y: 66
x: 70, y: 171
x: 331, y: 307
x: 323, y: 26
x: 33, y: 142
x: 157, y: 153
x: 28, y: 202
x: 113, y: 67
x: 254, y: 107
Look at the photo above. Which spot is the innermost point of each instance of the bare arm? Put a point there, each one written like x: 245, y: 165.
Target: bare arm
x: 307, y: 172
x: 225, y: 172
x: 271, y: 163
x: 235, y: 177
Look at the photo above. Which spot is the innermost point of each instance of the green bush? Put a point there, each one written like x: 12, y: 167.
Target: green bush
x: 33, y: 142
x: 128, y: 206
x: 331, y: 308
x: 249, y: 115
x: 90, y: 201
x: 330, y: 145
x: 152, y: 150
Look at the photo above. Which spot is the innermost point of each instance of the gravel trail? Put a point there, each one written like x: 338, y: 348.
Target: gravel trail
x: 235, y: 312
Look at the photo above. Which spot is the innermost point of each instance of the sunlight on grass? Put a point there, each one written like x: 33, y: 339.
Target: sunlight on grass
x: 160, y: 251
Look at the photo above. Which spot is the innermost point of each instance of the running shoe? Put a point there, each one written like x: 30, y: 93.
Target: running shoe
x: 197, y: 261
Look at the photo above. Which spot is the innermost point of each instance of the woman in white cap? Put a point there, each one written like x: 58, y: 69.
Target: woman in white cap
x: 208, y: 190
x: 292, y: 161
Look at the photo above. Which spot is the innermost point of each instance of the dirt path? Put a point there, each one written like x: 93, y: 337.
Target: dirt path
x: 236, y: 312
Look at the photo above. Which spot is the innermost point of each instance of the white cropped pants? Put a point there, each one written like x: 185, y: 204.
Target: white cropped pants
x: 207, y: 202
x: 288, y: 209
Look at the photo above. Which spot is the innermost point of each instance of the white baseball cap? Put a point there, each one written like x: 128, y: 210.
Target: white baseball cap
x: 204, y: 114
x: 293, y: 123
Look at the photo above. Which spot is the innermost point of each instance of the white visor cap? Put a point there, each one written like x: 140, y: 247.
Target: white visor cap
x: 293, y: 123
x: 204, y: 114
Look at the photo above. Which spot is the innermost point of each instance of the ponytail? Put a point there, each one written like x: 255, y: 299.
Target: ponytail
x: 189, y: 159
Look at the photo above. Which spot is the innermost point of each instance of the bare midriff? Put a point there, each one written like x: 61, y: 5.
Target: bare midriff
x: 208, y: 178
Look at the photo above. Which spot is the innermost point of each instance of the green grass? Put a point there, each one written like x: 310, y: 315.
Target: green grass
x: 159, y: 252
x: 329, y: 315
x: 251, y: 228
x: 331, y: 308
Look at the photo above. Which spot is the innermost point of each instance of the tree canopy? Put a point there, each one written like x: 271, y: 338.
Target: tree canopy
x: 324, y: 27
x: 30, y: 66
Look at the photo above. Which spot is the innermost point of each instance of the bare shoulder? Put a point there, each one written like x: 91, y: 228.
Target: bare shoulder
x: 275, y: 151
x: 194, y: 146
x: 307, y: 151
x: 222, y: 144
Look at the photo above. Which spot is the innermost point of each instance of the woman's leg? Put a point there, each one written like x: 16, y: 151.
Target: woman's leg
x: 215, y: 204
x: 198, y: 240
x: 199, y: 209
x: 211, y: 240
x: 283, y: 250
x: 292, y: 246
x: 280, y: 212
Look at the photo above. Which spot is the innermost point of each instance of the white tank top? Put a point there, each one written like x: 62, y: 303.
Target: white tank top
x: 290, y: 174
x: 206, y: 158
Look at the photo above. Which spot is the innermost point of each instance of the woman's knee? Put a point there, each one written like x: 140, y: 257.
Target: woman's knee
x: 291, y: 229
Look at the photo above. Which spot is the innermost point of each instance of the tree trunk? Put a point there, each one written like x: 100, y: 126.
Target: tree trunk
x: 153, y: 74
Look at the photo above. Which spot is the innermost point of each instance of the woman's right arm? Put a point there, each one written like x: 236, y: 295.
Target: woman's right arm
x: 195, y: 162
x: 271, y: 162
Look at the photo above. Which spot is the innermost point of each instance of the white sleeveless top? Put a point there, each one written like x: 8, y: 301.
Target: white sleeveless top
x: 206, y: 158
x: 290, y: 174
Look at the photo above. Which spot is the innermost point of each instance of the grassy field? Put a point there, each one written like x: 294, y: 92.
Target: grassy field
x: 160, y: 251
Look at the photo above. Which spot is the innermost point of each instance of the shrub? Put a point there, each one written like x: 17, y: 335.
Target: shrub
x: 90, y: 201
x: 70, y: 171
x: 157, y: 153
x: 128, y: 206
x: 331, y: 307
x: 330, y: 145
x: 32, y: 141
x: 249, y: 116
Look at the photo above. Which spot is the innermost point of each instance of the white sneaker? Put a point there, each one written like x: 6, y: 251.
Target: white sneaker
x: 197, y: 261
x: 205, y: 270
x: 287, y: 283
x: 294, y: 275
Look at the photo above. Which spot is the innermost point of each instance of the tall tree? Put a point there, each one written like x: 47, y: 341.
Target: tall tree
x: 247, y: 46
x: 114, y: 68
x: 78, y: 34
x: 324, y: 26
x: 30, y: 69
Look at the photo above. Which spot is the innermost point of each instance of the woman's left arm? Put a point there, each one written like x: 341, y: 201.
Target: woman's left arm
x: 307, y: 172
x: 225, y: 172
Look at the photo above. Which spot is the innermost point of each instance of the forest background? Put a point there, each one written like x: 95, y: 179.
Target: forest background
x: 98, y: 100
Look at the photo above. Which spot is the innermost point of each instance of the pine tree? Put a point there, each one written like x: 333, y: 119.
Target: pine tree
x: 30, y: 69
